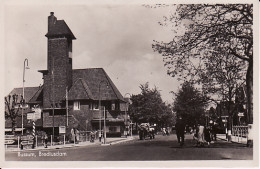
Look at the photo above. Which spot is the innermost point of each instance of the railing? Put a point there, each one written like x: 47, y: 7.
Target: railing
x: 14, y: 142
x: 240, y: 132
x: 110, y: 114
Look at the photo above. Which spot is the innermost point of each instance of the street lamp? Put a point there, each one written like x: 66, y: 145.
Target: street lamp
x: 27, y: 67
x: 99, y: 106
x: 126, y: 106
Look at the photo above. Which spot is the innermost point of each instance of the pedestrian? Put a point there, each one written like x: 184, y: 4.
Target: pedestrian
x: 92, y: 137
x: 180, y: 129
x: 164, y: 131
x: 45, y: 137
x: 72, y: 132
x: 207, y: 135
x: 151, y: 133
x: 140, y: 131
x: 214, y: 131
x: 167, y: 132
x: 200, y: 135
x: 145, y: 132
x: 195, y: 135
x: 99, y: 135
x: 76, y: 135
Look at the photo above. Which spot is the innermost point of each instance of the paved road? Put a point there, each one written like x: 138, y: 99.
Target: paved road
x: 161, y: 148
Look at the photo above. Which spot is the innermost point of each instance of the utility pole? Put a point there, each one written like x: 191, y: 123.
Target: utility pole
x: 67, y: 106
x: 53, y: 101
x: 105, y: 126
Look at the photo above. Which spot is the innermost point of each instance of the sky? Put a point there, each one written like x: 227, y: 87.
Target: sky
x: 116, y: 37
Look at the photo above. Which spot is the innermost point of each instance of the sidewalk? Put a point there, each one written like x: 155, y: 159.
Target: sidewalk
x: 109, y: 141
x: 234, y: 139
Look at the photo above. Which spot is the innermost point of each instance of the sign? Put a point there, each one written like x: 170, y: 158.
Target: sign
x: 10, y: 139
x: 28, y: 137
x: 62, y: 129
x: 30, y: 116
x: 240, y: 114
x: 37, y: 113
x: 34, y: 115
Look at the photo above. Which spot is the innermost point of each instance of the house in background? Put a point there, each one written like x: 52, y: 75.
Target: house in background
x: 29, y: 93
x: 69, y: 98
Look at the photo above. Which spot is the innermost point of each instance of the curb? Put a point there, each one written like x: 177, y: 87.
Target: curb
x: 70, y: 146
x: 121, y: 141
x: 231, y: 141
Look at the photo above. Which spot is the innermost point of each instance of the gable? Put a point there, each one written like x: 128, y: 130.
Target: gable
x: 96, y: 78
x: 79, y: 91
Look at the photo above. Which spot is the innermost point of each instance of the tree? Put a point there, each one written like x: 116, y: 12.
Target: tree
x: 12, y: 109
x: 222, y: 76
x: 210, y: 31
x: 190, y: 104
x: 148, y: 107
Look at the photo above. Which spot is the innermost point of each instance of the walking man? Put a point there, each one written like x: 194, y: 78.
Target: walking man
x: 180, y: 127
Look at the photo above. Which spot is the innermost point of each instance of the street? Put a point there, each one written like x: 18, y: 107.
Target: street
x: 161, y: 148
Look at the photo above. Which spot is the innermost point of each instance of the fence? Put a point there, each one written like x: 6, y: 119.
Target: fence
x: 12, y: 141
x: 240, y: 133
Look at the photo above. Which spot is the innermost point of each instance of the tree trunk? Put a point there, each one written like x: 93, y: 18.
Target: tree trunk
x: 249, y: 87
x: 13, y: 126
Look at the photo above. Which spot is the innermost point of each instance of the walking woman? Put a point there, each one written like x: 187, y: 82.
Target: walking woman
x: 200, y: 136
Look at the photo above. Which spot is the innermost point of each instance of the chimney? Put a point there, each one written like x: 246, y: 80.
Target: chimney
x: 51, y: 21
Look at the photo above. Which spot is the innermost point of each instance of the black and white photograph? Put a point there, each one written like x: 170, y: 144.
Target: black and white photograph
x: 140, y: 83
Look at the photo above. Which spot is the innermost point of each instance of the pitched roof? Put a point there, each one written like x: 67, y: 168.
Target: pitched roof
x: 93, y: 78
x: 86, y: 84
x: 60, y: 28
x: 79, y: 90
x: 38, y: 96
x: 29, y: 92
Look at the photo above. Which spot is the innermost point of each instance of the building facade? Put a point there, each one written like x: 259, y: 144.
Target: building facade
x: 73, y: 98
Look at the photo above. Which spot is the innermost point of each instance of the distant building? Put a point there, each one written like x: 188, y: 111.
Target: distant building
x: 236, y: 108
x: 72, y: 94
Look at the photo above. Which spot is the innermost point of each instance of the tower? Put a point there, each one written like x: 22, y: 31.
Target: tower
x: 58, y: 76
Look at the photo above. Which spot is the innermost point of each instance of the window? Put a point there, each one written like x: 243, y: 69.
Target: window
x: 112, y: 129
x: 76, y: 105
x: 95, y: 106
x: 117, y: 106
x: 113, y: 106
x: 90, y: 106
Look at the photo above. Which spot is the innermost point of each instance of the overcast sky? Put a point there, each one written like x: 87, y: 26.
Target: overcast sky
x: 117, y: 38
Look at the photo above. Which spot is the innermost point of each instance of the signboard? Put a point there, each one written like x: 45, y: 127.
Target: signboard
x: 28, y: 137
x: 240, y: 114
x: 10, y: 139
x: 34, y: 115
x: 37, y: 113
x: 30, y: 116
x: 62, y: 129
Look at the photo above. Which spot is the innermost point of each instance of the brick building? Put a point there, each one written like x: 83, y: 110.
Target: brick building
x: 72, y: 95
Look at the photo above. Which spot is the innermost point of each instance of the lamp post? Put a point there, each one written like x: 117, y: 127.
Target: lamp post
x: 27, y: 67
x: 99, y: 107
x: 126, y: 107
x: 105, y: 133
